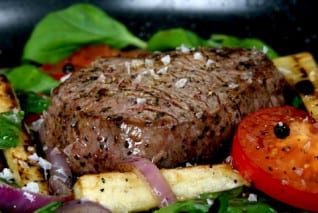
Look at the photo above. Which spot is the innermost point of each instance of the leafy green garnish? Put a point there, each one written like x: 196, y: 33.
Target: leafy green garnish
x: 33, y: 103
x: 60, y: 33
x: 10, y: 127
x: 49, y: 208
x: 221, y: 202
x: 172, y: 38
x: 29, y: 78
x: 297, y: 101
x: 232, y: 41
x: 242, y: 205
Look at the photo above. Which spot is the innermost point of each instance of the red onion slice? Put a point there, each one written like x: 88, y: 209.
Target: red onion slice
x: 152, y: 175
x: 18, y: 200
x: 60, y: 181
x: 82, y: 206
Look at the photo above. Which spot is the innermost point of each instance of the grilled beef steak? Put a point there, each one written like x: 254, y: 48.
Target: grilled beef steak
x: 168, y: 107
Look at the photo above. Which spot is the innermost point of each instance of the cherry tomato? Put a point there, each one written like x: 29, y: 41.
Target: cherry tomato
x: 83, y: 57
x: 276, y: 149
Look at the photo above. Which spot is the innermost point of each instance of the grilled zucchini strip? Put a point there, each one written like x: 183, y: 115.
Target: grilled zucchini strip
x: 24, y: 169
x: 126, y: 192
x: 301, y: 72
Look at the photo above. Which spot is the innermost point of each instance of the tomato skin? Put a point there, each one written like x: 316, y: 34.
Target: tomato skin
x: 84, y: 56
x: 263, y: 159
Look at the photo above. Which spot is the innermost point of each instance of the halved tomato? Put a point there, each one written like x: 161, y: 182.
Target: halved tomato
x: 83, y: 57
x: 276, y: 149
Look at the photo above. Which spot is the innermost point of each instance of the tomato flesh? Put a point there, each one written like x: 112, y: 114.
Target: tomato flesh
x: 284, y: 168
x: 84, y: 56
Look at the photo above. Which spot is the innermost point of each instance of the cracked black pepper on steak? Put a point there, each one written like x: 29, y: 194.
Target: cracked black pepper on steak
x: 171, y: 107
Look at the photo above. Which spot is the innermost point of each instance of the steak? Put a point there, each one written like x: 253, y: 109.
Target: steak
x: 171, y: 107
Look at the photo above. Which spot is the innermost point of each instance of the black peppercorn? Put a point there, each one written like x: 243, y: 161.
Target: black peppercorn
x: 68, y: 68
x: 281, y: 130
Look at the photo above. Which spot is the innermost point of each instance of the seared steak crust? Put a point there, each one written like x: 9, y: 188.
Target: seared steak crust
x: 168, y: 107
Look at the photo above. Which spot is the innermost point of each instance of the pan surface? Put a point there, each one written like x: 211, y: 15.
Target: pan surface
x: 283, y: 24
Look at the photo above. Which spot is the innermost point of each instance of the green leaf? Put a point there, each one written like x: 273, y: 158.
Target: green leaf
x: 242, y: 205
x: 60, y: 33
x: 173, y: 38
x: 191, y: 206
x: 10, y: 127
x: 230, y: 201
x: 297, y: 101
x: 223, y: 201
x: 49, y: 208
x: 29, y: 78
x: 8, y: 182
x: 203, y: 203
x: 33, y: 103
x: 232, y: 41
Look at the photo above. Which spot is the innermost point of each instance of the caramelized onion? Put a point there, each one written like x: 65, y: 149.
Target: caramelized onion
x: 82, y: 206
x: 18, y: 200
x: 151, y: 174
x: 60, y: 181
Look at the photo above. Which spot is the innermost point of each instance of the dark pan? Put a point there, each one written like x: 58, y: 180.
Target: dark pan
x: 287, y: 25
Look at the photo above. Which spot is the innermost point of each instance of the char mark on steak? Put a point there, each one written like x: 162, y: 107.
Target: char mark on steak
x: 169, y: 107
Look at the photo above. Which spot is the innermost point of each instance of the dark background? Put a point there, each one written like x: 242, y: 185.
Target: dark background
x: 289, y: 26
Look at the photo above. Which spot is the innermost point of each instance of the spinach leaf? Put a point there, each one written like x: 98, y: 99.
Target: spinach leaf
x: 232, y: 41
x: 49, y: 208
x: 29, y: 78
x: 242, y: 205
x: 10, y: 127
x: 191, y: 206
x: 172, y: 38
x: 33, y: 103
x: 230, y: 201
x: 60, y: 33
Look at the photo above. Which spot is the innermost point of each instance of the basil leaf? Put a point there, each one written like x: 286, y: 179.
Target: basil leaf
x: 251, y: 207
x: 230, y: 201
x: 60, y: 33
x: 29, y: 78
x: 173, y: 38
x: 232, y: 41
x: 33, y: 103
x: 49, y: 208
x: 185, y: 206
x: 10, y: 127
x: 226, y: 204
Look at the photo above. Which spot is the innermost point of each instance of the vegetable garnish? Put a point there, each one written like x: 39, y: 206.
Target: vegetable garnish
x: 172, y: 38
x: 49, y: 208
x: 82, y: 58
x: 60, y: 33
x: 10, y: 127
x: 223, y: 202
x: 148, y: 171
x: 232, y: 41
x: 29, y: 78
x: 82, y: 206
x: 283, y: 167
x: 32, y: 102
x: 18, y: 200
